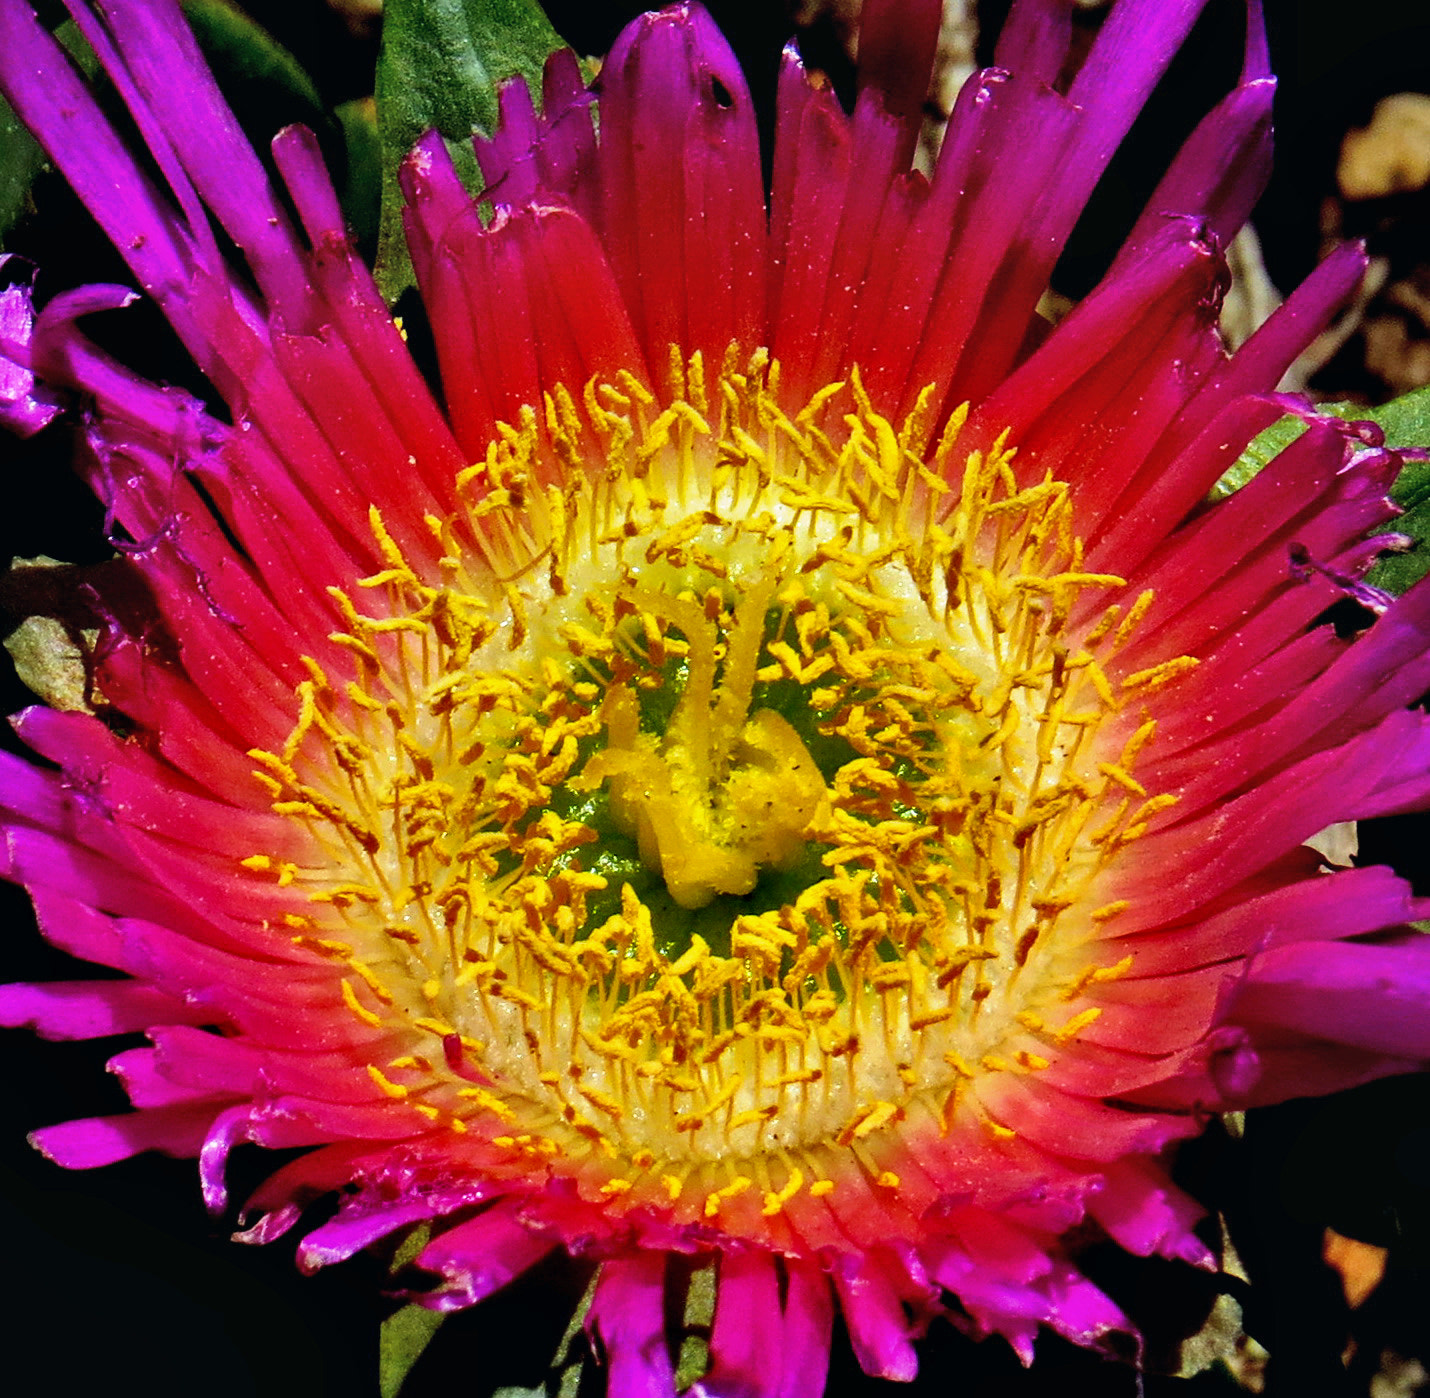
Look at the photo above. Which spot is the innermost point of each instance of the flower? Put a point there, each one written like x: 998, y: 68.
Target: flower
x: 781, y: 763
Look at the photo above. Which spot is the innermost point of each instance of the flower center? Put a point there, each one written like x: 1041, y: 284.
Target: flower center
x: 706, y: 810
x: 722, y: 793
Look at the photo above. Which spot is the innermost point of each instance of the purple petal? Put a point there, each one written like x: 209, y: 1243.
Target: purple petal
x: 627, y: 1319
x: 25, y: 405
x: 481, y: 1256
x: 748, y: 1357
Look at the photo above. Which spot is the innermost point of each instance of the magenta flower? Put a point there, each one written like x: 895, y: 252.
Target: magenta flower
x: 780, y: 763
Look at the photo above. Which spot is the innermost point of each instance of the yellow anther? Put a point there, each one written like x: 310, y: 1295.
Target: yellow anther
x: 733, y: 1190
x: 1076, y: 1024
x: 867, y: 1120
x: 1158, y: 675
x: 1122, y: 778
x: 357, y: 1007
x: 775, y: 1200
x: 392, y: 1089
x: 488, y: 1101
x: 956, y: 1061
x: 1109, y: 910
x: 755, y: 1116
x: 1136, y: 612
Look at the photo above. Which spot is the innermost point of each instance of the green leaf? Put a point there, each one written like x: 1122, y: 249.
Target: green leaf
x: 1223, y: 1346
x: 697, y: 1321
x: 263, y: 81
x: 21, y: 160
x: 1259, y: 452
x: 51, y: 631
x: 406, y: 1332
x: 440, y: 65
x: 1405, y: 421
x: 568, y: 1364
x: 1406, y: 424
x: 361, y: 193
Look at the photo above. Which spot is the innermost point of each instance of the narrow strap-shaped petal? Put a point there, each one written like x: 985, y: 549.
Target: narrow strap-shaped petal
x: 1035, y: 38
x: 872, y: 1304
x: 170, y: 86
x: 546, y: 159
x: 808, y: 1322
x: 479, y: 1257
x: 1081, y: 1128
x: 898, y: 40
x: 1219, y: 173
x: 746, y: 1353
x: 1324, y: 907
x: 66, y: 119
x: 370, y: 1216
x: 627, y: 1318
x: 1375, y: 998
x: 1148, y: 1214
x: 147, y: 1085
x: 92, y: 1009
x: 682, y: 212
x: 104, y: 1140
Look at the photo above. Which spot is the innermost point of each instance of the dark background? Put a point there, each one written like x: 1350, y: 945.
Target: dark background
x: 118, y: 1279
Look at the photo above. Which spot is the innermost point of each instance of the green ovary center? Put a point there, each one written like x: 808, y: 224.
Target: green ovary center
x: 750, y: 791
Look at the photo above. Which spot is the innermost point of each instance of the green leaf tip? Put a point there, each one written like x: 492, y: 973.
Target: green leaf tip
x: 440, y: 66
x: 21, y: 160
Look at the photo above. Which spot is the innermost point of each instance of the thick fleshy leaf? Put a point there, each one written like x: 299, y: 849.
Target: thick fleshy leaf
x: 1406, y: 424
x: 408, y: 1331
x: 257, y: 74
x: 1260, y: 451
x: 51, y: 653
x: 697, y: 1317
x: 569, y: 1365
x: 404, y: 1335
x: 439, y: 69
x: 21, y: 160
x: 361, y: 192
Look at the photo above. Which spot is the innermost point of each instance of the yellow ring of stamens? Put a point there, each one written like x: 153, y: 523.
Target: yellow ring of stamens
x: 717, y: 804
